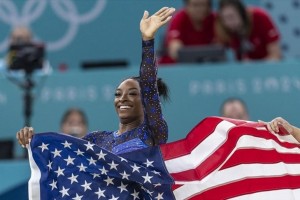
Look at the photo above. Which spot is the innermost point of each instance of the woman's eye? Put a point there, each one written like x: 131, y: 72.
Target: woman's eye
x: 117, y: 94
x: 133, y: 94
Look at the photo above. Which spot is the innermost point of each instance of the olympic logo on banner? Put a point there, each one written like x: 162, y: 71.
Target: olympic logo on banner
x: 66, y: 10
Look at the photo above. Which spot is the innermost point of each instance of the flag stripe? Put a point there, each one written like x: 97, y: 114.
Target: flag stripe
x: 33, y: 183
x: 274, y: 195
x: 238, y: 139
x: 230, y: 176
x: 249, y: 186
x: 203, y: 130
x: 248, y: 156
x: 201, y: 152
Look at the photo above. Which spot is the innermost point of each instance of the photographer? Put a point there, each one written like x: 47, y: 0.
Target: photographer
x: 24, y: 53
x: 20, y: 35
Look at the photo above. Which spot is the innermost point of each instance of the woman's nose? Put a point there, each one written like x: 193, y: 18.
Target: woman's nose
x: 123, y: 97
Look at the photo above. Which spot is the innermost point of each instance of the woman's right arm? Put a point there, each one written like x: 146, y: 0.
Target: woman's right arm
x: 24, y: 136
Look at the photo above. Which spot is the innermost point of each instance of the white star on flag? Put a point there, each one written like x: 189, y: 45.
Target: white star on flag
x: 66, y: 144
x: 86, y: 186
x: 79, y: 153
x: 125, y: 175
x: 95, y: 175
x: 122, y: 187
x: 73, y: 178
x: 135, y: 195
x: 159, y: 196
x: 77, y: 197
x: 101, y: 155
x: 92, y: 161
x: 135, y: 168
x: 44, y: 146
x: 89, y: 146
x: 113, y: 165
x: 147, y: 178
x: 49, y: 165
x: 109, y: 181
x: 64, y: 191
x: 149, y: 163
x: 53, y: 185
x: 103, y: 171
x: 59, y: 172
x: 56, y: 153
x: 114, y: 198
x: 100, y: 193
x: 123, y: 159
x: 69, y: 160
x: 82, y: 168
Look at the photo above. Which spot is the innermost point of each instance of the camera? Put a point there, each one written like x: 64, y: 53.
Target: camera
x: 26, y: 56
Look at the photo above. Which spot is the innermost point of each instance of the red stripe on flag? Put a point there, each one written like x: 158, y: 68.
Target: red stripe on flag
x: 249, y: 186
x: 251, y: 156
x: 193, y: 139
x: 222, y: 153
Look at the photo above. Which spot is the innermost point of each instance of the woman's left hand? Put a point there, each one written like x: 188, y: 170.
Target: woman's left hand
x: 149, y: 25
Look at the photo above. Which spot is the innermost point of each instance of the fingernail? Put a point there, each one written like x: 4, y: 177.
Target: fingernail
x: 29, y: 140
x: 23, y: 146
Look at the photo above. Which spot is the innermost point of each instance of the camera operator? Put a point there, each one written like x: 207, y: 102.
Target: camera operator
x: 20, y: 35
x: 24, y: 53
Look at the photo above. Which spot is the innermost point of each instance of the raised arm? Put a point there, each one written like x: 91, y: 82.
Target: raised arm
x: 148, y: 74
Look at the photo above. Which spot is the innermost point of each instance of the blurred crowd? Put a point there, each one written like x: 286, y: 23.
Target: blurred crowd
x: 248, y: 31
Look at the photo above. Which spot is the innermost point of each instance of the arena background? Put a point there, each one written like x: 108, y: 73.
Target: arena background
x: 106, y: 30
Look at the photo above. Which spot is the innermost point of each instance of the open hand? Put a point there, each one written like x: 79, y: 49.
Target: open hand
x: 149, y: 25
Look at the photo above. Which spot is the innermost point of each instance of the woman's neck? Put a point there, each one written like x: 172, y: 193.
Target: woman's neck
x: 124, y: 126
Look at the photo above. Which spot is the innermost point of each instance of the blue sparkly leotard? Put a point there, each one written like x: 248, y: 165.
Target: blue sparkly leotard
x: 154, y: 129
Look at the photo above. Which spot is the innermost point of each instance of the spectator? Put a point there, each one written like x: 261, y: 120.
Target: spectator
x: 192, y: 25
x: 74, y: 122
x: 250, y: 32
x: 234, y: 108
x: 20, y: 35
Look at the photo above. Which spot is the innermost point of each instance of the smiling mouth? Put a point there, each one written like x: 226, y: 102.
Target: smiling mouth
x: 124, y: 107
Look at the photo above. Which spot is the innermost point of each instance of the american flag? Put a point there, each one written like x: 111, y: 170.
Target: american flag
x: 219, y: 159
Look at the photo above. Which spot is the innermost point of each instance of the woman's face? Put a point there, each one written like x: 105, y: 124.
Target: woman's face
x: 231, y: 19
x: 198, y: 9
x: 128, y: 102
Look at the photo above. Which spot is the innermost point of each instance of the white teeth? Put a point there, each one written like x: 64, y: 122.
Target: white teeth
x: 124, y: 107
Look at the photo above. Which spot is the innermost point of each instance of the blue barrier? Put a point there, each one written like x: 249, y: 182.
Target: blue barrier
x: 197, y: 91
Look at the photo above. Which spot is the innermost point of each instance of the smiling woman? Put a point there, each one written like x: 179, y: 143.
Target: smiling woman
x: 137, y: 102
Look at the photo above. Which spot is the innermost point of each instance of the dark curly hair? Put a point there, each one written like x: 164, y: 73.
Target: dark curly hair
x: 163, y: 89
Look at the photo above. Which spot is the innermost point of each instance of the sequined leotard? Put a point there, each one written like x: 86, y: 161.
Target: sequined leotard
x: 154, y: 129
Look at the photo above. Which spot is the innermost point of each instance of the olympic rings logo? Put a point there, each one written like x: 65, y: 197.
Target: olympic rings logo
x: 66, y: 10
